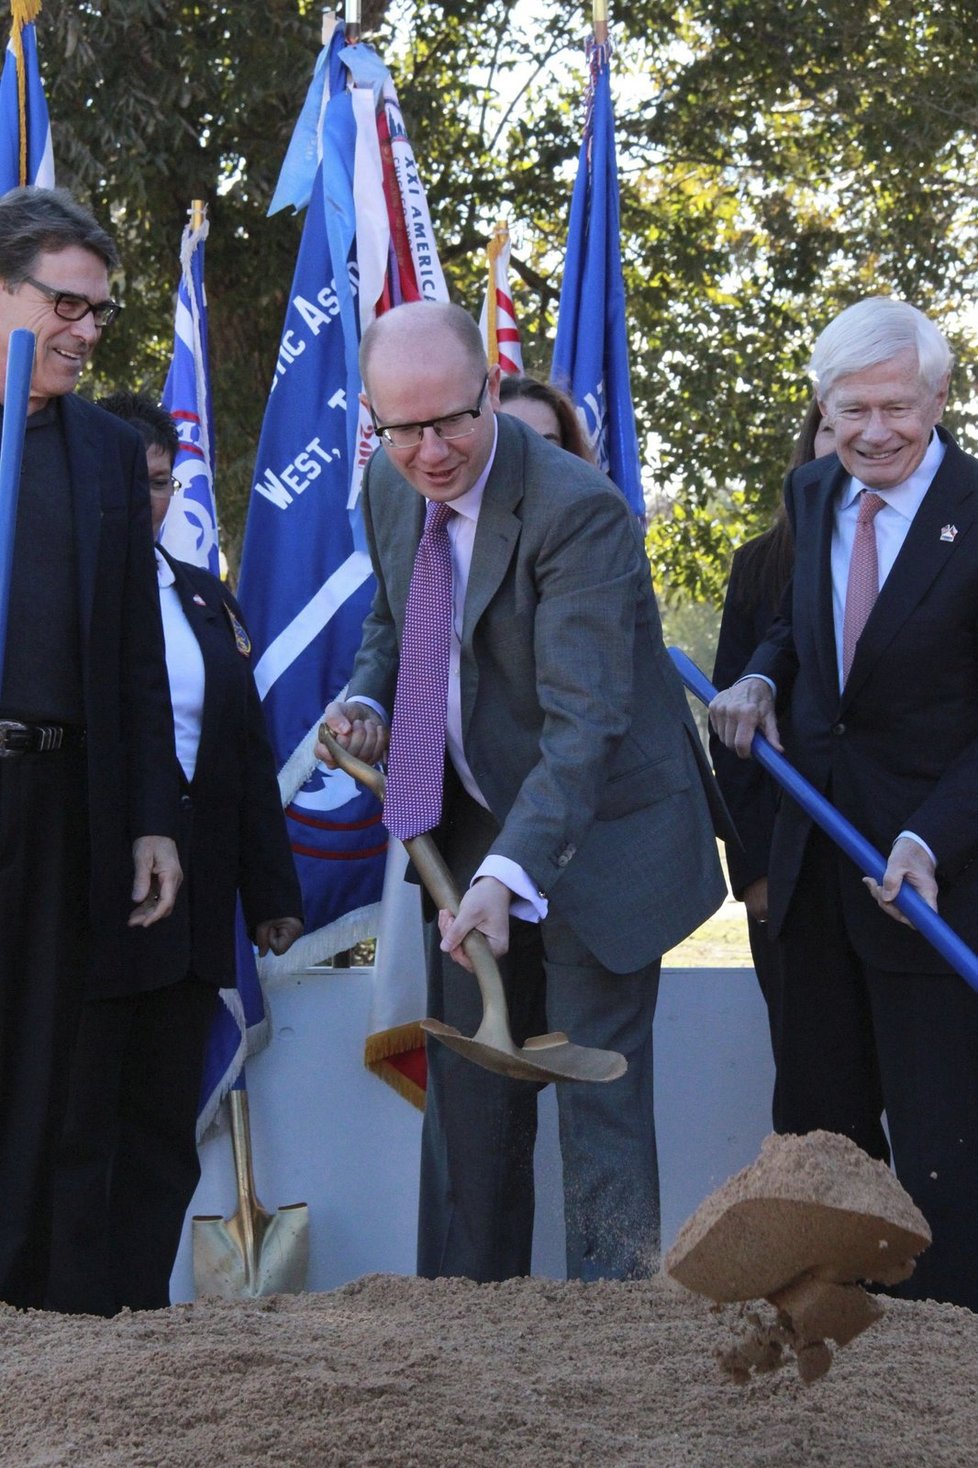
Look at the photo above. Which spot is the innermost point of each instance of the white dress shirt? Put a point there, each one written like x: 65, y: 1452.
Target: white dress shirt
x: 890, y: 525
x: 184, y: 669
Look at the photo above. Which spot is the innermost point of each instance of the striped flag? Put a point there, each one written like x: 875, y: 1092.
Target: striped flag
x: 591, y: 350
x: 190, y: 529
x: 26, y: 155
x: 306, y: 580
x: 500, y: 332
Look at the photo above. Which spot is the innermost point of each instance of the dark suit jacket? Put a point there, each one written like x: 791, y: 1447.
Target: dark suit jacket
x: 132, y: 787
x: 234, y: 837
x: 898, y: 749
x: 574, y: 721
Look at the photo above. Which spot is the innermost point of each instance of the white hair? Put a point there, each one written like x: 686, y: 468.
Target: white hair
x: 876, y: 330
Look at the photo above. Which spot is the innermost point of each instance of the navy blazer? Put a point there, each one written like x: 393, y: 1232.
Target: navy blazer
x: 234, y: 837
x: 897, y: 749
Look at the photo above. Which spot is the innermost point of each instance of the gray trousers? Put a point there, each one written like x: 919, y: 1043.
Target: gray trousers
x: 477, y: 1195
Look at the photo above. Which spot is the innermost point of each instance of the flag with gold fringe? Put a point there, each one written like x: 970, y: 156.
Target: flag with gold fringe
x: 500, y: 332
x: 26, y: 154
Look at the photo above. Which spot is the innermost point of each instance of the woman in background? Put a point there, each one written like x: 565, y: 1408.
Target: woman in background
x: 546, y: 409
x: 127, y: 1163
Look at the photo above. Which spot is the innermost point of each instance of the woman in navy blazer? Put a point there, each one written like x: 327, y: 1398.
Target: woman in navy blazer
x: 128, y: 1161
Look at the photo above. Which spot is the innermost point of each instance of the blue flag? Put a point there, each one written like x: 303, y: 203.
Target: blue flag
x: 306, y: 582
x: 26, y: 155
x: 190, y: 529
x: 591, y: 350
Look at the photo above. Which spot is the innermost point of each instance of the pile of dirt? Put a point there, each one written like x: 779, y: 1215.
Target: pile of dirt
x: 421, y: 1374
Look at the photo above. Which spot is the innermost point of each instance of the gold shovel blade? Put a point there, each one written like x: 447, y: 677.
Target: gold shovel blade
x: 559, y: 1059
x: 245, y: 1259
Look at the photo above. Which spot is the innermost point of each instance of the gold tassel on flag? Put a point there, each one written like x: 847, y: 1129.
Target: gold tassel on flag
x: 22, y: 12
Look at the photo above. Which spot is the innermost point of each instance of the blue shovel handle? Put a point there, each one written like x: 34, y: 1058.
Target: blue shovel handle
x: 20, y: 363
x: 927, y: 922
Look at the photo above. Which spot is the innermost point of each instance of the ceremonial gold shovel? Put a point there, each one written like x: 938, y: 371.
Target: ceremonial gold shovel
x: 253, y: 1253
x: 550, y: 1057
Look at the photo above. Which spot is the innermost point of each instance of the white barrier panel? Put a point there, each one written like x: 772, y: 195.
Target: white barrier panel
x: 328, y: 1133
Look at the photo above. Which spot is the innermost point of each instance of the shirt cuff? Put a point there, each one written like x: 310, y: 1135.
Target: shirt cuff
x: 369, y: 703
x: 773, y: 686
x: 912, y: 836
x: 528, y: 902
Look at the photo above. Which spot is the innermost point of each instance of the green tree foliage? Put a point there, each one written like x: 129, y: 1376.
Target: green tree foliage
x: 777, y: 161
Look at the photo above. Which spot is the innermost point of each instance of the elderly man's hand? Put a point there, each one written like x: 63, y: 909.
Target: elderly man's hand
x: 485, y: 906
x: 738, y: 712
x: 909, y: 863
x: 156, y: 879
x: 358, y: 728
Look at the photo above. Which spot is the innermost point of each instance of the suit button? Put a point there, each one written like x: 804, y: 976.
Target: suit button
x: 838, y: 728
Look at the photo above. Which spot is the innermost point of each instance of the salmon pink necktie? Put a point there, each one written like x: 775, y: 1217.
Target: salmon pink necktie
x: 416, y: 760
x: 863, y: 585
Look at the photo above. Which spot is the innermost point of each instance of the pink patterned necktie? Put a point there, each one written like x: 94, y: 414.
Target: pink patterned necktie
x: 863, y: 586
x: 416, y: 759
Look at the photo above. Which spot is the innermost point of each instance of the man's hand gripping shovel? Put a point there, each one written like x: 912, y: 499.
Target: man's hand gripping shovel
x: 928, y: 923
x: 550, y: 1057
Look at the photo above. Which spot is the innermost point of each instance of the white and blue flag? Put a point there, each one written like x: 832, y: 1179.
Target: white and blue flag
x: 591, y: 349
x: 306, y: 581
x: 26, y: 155
x: 189, y: 531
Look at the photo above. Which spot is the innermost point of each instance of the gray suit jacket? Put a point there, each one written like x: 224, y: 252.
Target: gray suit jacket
x: 574, y: 721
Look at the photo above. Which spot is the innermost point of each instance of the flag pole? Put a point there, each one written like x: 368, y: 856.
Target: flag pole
x: 600, y: 20
x: 351, y: 21
x: 198, y: 213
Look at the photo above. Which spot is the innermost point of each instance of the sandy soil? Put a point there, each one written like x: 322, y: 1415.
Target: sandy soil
x: 419, y: 1374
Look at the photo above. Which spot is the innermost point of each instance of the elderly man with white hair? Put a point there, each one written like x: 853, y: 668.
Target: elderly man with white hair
x: 870, y: 678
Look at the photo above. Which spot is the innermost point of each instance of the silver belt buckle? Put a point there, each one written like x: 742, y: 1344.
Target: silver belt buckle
x: 7, y: 727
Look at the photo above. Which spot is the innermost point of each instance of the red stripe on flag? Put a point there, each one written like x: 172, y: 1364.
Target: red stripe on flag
x: 362, y: 855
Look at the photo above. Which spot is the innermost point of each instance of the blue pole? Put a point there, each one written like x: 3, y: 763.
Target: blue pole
x: 927, y: 922
x: 20, y: 363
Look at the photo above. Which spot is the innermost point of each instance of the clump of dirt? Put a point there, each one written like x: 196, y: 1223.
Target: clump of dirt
x: 803, y: 1226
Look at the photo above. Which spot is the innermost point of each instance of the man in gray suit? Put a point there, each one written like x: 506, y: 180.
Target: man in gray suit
x: 576, y: 805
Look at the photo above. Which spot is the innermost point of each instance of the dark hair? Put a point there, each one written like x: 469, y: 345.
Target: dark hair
x: 154, y: 423
x: 35, y: 221
x: 513, y: 387
x: 769, y: 560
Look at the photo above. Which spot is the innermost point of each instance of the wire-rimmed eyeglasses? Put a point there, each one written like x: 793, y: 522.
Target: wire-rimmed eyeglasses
x: 164, y: 485
x: 454, y: 425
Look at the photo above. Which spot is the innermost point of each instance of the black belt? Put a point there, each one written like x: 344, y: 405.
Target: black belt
x: 18, y: 738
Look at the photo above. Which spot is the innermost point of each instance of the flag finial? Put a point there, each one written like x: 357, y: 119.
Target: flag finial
x: 600, y: 21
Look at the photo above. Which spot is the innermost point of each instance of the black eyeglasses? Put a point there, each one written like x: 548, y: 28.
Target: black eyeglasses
x: 455, y: 425
x: 73, y: 308
x: 164, y: 485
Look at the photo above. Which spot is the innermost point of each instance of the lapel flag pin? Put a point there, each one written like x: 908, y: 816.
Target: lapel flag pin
x: 948, y: 532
